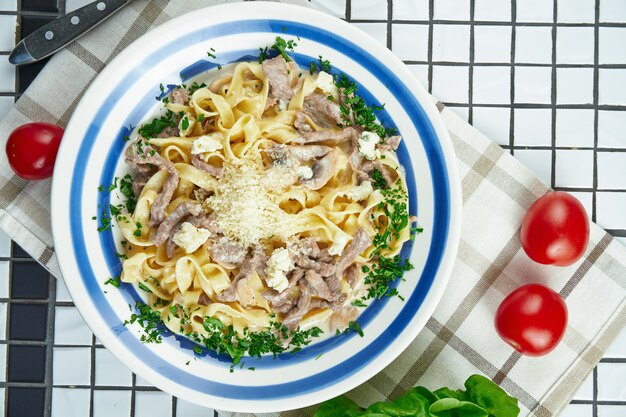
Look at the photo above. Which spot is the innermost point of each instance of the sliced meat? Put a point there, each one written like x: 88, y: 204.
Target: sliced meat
x: 280, y: 89
x: 228, y: 253
x: 171, y: 245
x: 324, y: 256
x: 354, y: 276
x: 210, y: 169
x: 304, y: 249
x: 319, y: 286
x: 167, y: 227
x: 325, y: 269
x: 360, y: 242
x: 324, y: 112
x: 157, y: 211
x: 280, y: 303
x: 294, y: 317
x: 301, y: 123
x: 307, y: 255
x: 323, y: 170
x: 142, y: 157
x: 330, y: 136
x: 285, y: 300
x: 317, y: 303
x: 205, y: 221
x: 139, y: 182
x: 180, y: 96
x: 169, y: 132
x: 255, y: 262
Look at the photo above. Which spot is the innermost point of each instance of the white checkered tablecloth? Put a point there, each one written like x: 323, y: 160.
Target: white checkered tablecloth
x: 544, y: 79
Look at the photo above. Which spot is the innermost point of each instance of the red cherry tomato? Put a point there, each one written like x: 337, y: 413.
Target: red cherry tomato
x: 32, y: 149
x: 532, y: 319
x: 555, y: 230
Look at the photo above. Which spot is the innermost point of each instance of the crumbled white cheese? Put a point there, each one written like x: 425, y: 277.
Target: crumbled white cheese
x: 304, y: 172
x: 361, y: 192
x: 367, y: 145
x: 326, y: 83
x: 207, y: 143
x: 279, y: 263
x: 190, y: 238
x: 190, y: 121
x: 339, y: 243
x: 282, y: 105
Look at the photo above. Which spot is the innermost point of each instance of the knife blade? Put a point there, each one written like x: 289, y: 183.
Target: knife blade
x: 57, y: 34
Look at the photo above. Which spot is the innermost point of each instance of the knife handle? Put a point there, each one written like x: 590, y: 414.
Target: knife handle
x: 55, y: 35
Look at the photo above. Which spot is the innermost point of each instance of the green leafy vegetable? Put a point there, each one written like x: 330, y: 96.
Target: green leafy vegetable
x: 482, y: 398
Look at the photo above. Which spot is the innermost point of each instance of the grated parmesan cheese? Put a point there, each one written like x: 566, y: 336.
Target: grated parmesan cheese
x: 245, y: 209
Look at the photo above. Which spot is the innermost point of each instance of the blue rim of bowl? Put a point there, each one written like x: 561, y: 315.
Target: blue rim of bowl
x: 436, y: 250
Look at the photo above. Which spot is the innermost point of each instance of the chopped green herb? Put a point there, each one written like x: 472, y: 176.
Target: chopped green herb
x: 200, y: 117
x: 143, y: 287
x: 354, y: 325
x: 126, y: 188
x: 198, y: 349
x: 324, y: 64
x: 157, y: 125
x: 185, y: 123
x: 195, y: 87
x: 282, y: 46
x: 362, y: 114
x: 115, y: 281
x: 379, y: 181
x: 150, y: 322
x: 100, y: 188
x: 137, y: 233
x: 113, y: 186
x: 211, y: 55
x: 263, y: 54
x: 358, y: 303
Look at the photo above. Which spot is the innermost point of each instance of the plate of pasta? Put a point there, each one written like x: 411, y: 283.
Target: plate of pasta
x: 255, y: 213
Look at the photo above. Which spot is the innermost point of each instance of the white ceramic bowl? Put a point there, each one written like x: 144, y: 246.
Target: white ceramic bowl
x: 91, y: 154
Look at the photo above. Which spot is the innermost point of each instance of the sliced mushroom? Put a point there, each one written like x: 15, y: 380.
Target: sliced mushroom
x: 330, y: 136
x: 308, y: 152
x: 323, y: 170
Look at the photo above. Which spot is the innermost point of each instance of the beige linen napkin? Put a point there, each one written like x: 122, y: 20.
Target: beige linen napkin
x: 459, y: 339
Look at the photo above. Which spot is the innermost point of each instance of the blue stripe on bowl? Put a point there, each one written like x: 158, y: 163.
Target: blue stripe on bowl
x: 367, y: 354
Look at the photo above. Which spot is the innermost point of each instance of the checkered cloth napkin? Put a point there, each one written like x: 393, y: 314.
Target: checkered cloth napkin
x: 459, y: 339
